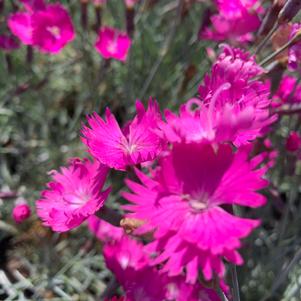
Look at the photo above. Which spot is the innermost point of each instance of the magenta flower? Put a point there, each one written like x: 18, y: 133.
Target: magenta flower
x: 287, y: 93
x: 8, y: 43
x: 185, y: 207
x: 118, y: 148
x: 52, y: 29
x: 294, y: 54
x: 73, y: 195
x: 128, y: 261
x: 20, y: 25
x: 47, y: 27
x: 233, y: 107
x: 293, y: 142
x: 236, y: 21
x: 21, y: 211
x: 112, y: 43
x: 104, y: 231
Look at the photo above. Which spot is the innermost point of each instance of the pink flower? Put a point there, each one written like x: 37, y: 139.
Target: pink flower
x: 130, y: 3
x: 8, y: 43
x: 21, y: 212
x: 103, y: 230
x: 118, y: 148
x: 185, y: 207
x: 73, y: 195
x: 293, y: 142
x: 20, y: 25
x: 52, y: 29
x: 236, y: 20
x: 128, y: 261
x: 294, y: 55
x: 287, y: 92
x: 112, y: 43
x: 232, y: 106
x: 47, y: 27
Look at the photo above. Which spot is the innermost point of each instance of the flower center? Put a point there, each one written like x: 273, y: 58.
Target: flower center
x: 77, y: 199
x: 54, y: 30
x: 197, y: 201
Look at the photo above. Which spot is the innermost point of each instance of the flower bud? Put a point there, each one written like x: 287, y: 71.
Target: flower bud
x: 293, y: 142
x: 21, y: 212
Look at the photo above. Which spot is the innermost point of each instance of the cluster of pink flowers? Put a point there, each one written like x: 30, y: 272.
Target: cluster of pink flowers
x: 127, y: 259
x: 190, y: 169
x: 49, y: 28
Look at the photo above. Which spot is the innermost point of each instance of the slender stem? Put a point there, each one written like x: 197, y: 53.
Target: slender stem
x: 291, y: 42
x: 267, y: 37
x: 235, y: 285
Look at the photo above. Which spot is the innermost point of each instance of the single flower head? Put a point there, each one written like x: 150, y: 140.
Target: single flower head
x: 112, y: 43
x: 294, y: 54
x: 293, y: 142
x: 128, y: 261
x: 52, y: 28
x: 21, y: 211
x: 104, y: 231
x: 118, y: 148
x: 73, y: 195
x: 186, y: 207
x: 20, y: 25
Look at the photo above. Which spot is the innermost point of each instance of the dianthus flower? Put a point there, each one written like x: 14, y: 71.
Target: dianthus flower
x: 112, y: 43
x: 288, y: 92
x: 235, y: 21
x: 232, y: 105
x: 118, y: 148
x: 185, y: 205
x: 140, y: 281
x: 294, y: 54
x: 21, y: 211
x: 47, y: 27
x: 52, y: 29
x: 104, y: 231
x: 73, y: 195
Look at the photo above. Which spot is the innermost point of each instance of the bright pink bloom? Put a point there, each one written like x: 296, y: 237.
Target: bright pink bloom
x: 236, y: 20
x: 47, y: 27
x: 184, y: 204
x: 8, y: 43
x: 103, y: 230
x: 130, y: 3
x: 293, y: 142
x: 73, y: 195
x: 288, y: 92
x: 52, y: 29
x: 112, y: 43
x: 20, y: 25
x: 232, y: 106
x: 127, y: 260
x: 118, y: 148
x: 21, y: 212
x: 294, y: 55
